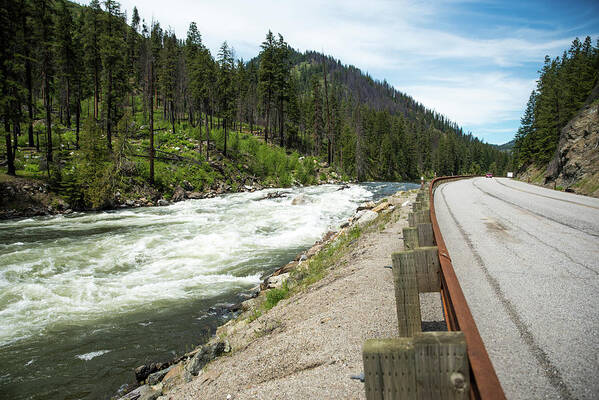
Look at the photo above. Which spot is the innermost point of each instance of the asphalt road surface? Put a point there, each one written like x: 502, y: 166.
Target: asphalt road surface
x: 527, y: 259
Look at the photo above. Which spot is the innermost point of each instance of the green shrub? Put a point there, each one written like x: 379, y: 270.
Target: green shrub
x: 273, y: 296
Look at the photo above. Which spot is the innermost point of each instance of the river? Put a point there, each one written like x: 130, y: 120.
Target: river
x: 87, y: 297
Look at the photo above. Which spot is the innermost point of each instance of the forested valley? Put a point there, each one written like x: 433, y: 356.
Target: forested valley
x: 105, y: 108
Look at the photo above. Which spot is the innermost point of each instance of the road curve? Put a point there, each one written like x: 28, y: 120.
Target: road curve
x: 527, y: 259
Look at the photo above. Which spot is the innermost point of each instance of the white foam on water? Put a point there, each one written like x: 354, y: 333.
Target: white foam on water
x: 85, y: 267
x: 93, y: 354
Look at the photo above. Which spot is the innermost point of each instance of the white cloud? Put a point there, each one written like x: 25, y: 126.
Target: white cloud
x: 475, y: 99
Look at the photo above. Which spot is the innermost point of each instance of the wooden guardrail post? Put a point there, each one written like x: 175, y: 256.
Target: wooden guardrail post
x: 410, y: 238
x: 389, y: 371
x: 419, y: 217
x: 425, y: 235
x: 407, y: 301
x: 417, y: 206
x: 431, y: 365
x: 427, y: 269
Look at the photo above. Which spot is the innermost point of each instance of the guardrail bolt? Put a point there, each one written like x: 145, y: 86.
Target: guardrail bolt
x: 458, y: 382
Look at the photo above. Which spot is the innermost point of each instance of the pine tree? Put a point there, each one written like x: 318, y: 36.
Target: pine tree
x: 268, y: 75
x: 112, y: 51
x: 45, y: 35
x: 168, y: 75
x: 225, y: 86
x: 133, y: 54
x: 317, y: 121
x: 92, y: 57
x: 525, y: 133
x: 66, y: 55
x: 282, y: 68
x: 28, y: 48
x: 8, y: 75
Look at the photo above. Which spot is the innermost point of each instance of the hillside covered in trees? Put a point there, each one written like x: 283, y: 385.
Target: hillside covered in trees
x: 102, y: 106
x: 563, y: 86
x: 556, y: 143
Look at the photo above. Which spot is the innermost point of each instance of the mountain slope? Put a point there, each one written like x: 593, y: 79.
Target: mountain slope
x: 575, y: 165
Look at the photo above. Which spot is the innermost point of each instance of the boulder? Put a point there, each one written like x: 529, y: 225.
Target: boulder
x: 143, y: 371
x: 299, y: 199
x: 163, y: 202
x: 179, y: 194
x: 367, y: 217
x: 366, y: 206
x: 144, y: 392
x: 207, y: 353
x: 156, y: 377
x: 194, y: 195
x: 286, y: 268
x: 276, y: 281
x: 249, y: 304
x: 223, y: 308
x: 381, y: 207
x: 313, y: 250
x: 175, y: 377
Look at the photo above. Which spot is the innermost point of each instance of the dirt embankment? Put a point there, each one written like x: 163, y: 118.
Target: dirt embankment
x: 24, y: 197
x: 308, y: 345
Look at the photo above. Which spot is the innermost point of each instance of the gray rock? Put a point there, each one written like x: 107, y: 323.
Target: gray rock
x: 156, y: 377
x: 179, y: 194
x: 298, y: 200
x: 208, y: 353
x: 366, y: 206
x: 367, y: 217
x: 163, y: 202
x: 194, y: 195
x: 144, y: 392
x: 276, y: 281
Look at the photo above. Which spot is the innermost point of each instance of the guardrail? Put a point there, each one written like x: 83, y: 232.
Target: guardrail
x: 453, y: 364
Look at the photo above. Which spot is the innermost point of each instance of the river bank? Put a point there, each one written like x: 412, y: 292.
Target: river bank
x: 301, y: 336
x: 87, y: 297
x: 22, y: 197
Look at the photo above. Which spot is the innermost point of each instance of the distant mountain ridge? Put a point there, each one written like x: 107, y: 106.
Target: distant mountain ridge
x: 508, y: 147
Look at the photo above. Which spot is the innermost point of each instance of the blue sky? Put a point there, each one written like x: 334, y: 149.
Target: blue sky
x: 474, y: 61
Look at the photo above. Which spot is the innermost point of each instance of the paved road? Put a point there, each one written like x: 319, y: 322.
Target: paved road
x: 528, y: 261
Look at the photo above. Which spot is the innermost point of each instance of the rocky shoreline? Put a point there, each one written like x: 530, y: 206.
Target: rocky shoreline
x: 156, y: 380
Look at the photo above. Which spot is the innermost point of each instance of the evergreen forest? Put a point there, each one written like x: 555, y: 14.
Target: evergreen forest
x: 563, y: 86
x: 96, y: 102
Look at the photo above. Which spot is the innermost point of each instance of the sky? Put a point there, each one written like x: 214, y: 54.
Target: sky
x: 475, y: 62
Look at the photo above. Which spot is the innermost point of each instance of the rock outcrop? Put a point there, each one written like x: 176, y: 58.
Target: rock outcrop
x: 575, y: 166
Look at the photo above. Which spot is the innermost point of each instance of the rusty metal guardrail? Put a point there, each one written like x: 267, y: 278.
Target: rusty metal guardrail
x: 483, y: 379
